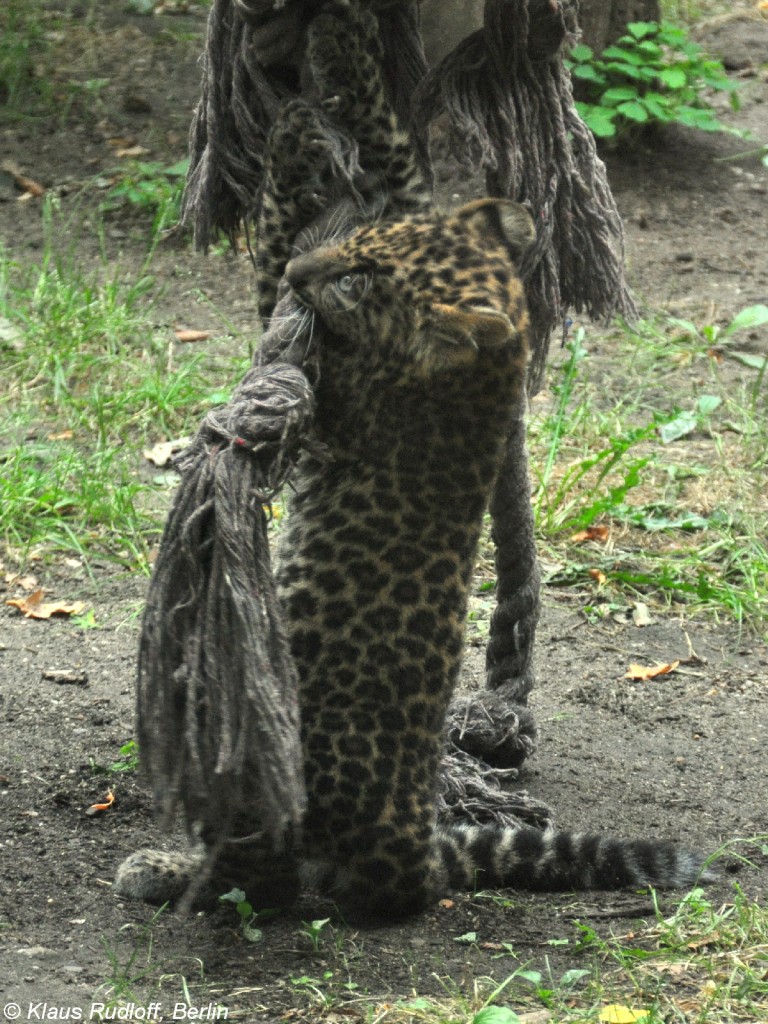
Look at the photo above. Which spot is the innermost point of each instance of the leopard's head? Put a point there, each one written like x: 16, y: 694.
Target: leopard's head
x: 428, y: 292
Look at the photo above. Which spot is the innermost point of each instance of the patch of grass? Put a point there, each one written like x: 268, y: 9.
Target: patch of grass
x: 705, y: 962
x: 670, y: 477
x: 86, y: 381
x: 149, y: 187
x: 21, y: 39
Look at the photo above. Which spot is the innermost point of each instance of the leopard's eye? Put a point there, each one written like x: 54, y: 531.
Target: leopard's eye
x: 346, y: 283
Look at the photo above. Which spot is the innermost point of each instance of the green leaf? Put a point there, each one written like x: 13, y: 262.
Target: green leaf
x: 682, y: 425
x: 587, y: 73
x: 651, y: 51
x: 695, y: 117
x: 496, y: 1015
x: 533, y: 976
x: 468, y: 938
x: 177, y: 170
x: 599, y: 120
x: 618, y: 53
x: 750, y: 359
x: 633, y: 110
x: 707, y: 404
x: 752, y: 316
x: 233, y: 896
x: 658, y: 106
x: 574, y: 975
x: 641, y: 29
x: 619, y: 93
x: 626, y: 69
x: 582, y: 52
x: 251, y: 934
x: 674, y: 77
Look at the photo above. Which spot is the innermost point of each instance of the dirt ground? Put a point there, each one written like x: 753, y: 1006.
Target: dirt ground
x: 685, y: 759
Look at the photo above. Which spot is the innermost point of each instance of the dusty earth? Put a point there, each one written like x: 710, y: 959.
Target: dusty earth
x: 685, y: 759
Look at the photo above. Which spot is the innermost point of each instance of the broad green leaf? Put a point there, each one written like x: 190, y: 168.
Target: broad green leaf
x: 707, y: 404
x: 496, y: 1015
x: 673, y: 78
x: 619, y: 93
x: 658, y: 106
x: 618, y: 53
x: 582, y: 52
x: 587, y: 74
x: 625, y: 69
x: 750, y: 359
x: 599, y: 120
x: 684, y: 423
x: 695, y: 117
x: 751, y: 316
x: 633, y: 110
x: 641, y: 29
x: 233, y: 896
x: 574, y: 975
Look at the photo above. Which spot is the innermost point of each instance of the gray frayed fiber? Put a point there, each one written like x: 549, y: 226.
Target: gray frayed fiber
x: 218, y: 716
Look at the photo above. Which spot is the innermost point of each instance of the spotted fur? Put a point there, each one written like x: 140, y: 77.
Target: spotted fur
x: 422, y: 363
x: 422, y: 369
x: 306, y: 172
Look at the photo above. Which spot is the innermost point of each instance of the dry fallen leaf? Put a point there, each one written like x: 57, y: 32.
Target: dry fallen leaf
x: 162, y: 453
x: 650, y: 671
x: 63, y: 435
x: 33, y: 607
x: 447, y: 904
x: 131, y: 152
x: 28, y: 186
x: 109, y: 799
x: 640, y: 614
x: 598, y: 576
x: 617, y: 1014
x: 25, y: 582
x: 597, y: 533
x: 190, y: 335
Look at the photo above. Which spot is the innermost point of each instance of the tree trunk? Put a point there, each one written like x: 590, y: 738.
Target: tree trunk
x: 603, y: 21
x: 445, y: 22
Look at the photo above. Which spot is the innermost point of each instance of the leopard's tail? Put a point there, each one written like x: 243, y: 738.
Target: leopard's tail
x: 488, y: 856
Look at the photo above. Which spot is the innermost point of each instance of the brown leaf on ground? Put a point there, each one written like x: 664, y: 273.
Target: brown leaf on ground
x: 598, y: 576
x: 650, y: 671
x: 161, y: 453
x: 191, y: 335
x: 596, y: 533
x: 131, y: 152
x: 99, y: 808
x: 33, y: 607
x: 28, y: 186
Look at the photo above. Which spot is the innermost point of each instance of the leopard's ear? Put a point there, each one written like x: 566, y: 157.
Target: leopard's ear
x: 472, y: 329
x: 510, y: 221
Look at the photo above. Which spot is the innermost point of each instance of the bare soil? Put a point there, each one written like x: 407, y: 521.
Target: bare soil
x: 683, y: 757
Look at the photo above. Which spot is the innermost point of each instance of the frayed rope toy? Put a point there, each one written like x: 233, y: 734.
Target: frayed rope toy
x: 217, y: 706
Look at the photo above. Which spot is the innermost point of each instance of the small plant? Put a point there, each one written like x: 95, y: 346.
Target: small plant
x: 126, y: 974
x: 128, y: 761
x: 313, y: 931
x: 249, y: 917
x: 152, y: 187
x: 653, y: 75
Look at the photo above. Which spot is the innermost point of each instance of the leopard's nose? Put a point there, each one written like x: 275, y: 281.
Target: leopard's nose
x: 299, y: 270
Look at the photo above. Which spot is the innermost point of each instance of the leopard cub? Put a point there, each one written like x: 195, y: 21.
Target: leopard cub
x: 422, y: 338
